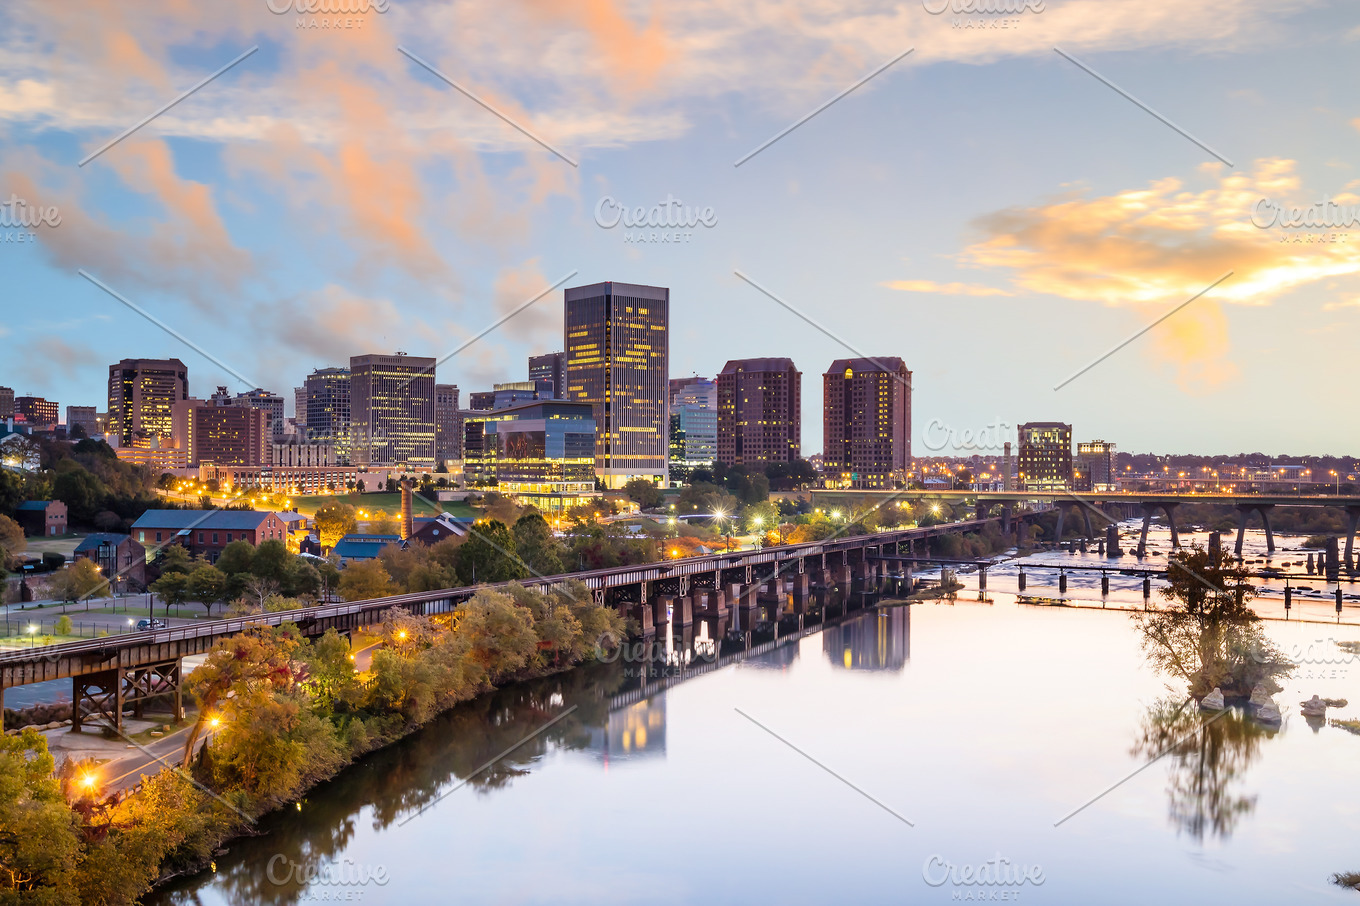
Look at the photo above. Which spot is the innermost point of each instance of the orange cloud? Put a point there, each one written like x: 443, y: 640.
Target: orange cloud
x: 635, y: 55
x: 945, y: 289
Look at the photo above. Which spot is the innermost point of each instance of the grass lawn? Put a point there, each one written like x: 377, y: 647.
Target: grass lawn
x: 391, y: 503
x: 62, y: 544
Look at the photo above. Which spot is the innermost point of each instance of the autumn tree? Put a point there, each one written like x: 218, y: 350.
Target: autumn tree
x: 364, y: 579
x: 333, y: 521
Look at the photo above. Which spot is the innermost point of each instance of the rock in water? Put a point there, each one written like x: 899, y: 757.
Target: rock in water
x: 1213, y: 701
x: 1268, y: 713
x: 1314, y: 707
x: 1261, y: 696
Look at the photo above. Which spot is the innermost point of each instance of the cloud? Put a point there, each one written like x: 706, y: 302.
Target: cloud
x: 47, y: 357
x: 1154, y: 247
x: 1342, y: 304
x: 945, y: 289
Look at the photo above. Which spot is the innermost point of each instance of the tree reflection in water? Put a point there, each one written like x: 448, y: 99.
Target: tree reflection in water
x: 398, y: 781
x: 1208, y: 756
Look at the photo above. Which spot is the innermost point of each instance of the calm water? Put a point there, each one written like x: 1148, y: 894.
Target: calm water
x: 983, y: 724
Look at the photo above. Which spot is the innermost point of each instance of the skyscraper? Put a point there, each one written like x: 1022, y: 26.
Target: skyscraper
x: 37, y: 410
x: 270, y: 403
x: 550, y: 367
x: 693, y: 426
x: 328, y: 410
x: 760, y: 411
x: 1045, y: 456
x: 300, y: 406
x: 617, y: 347
x: 141, y: 394
x: 392, y: 410
x: 1094, y: 468
x: 83, y: 416
x: 448, y: 427
x: 231, y: 435
x: 866, y: 422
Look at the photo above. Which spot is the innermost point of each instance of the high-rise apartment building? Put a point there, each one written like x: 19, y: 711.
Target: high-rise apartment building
x: 448, y: 427
x: 83, y: 416
x: 1093, y: 469
x: 141, y: 395
x: 550, y: 367
x: 392, y: 410
x: 693, y: 426
x: 618, y: 348
x: 328, y: 409
x: 6, y: 402
x: 760, y: 411
x: 37, y: 410
x: 866, y: 422
x: 1045, y: 461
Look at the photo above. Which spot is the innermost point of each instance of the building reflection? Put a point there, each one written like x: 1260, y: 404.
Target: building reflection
x: 632, y: 731
x: 878, y: 641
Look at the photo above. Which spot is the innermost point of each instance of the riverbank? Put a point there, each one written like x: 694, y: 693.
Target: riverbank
x: 285, y: 714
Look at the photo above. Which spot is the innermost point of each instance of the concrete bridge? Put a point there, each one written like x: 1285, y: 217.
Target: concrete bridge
x: 1146, y: 504
x: 117, y: 672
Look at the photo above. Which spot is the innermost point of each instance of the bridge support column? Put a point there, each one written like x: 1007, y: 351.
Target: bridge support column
x: 1170, y: 510
x: 1086, y: 515
x: 1241, y: 528
x: 1062, y: 511
x: 1333, y: 561
x: 1005, y: 519
x: 103, y: 692
x: 1352, y: 523
x: 1270, y: 536
x: 1147, y: 524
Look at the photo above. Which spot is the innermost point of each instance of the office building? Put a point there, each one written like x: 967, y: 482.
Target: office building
x: 300, y: 406
x: 392, y: 410
x: 83, y: 417
x: 328, y: 409
x: 511, y: 393
x: 482, y: 400
x: 551, y: 367
x: 294, y: 452
x: 448, y: 429
x: 617, y: 347
x: 230, y: 435
x: 866, y: 422
x: 693, y: 426
x: 1093, y: 468
x: 37, y: 411
x: 6, y: 403
x: 540, y: 452
x: 142, y: 393
x: 760, y: 411
x: 1045, y: 461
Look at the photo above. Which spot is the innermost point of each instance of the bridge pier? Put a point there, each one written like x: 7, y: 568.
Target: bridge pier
x: 1244, y: 510
x: 1352, y: 523
x: 1168, y: 507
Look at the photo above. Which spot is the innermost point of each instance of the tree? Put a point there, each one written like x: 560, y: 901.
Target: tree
x: 500, y: 634
x: 488, y: 555
x: 81, y: 491
x: 1208, y: 635
x: 364, y: 579
x: 644, y: 493
x: 12, y: 540
x: 78, y: 580
x: 383, y: 523
x: 236, y: 557
x: 258, y: 588
x: 272, y: 561
x: 172, y: 588
x: 333, y: 521
x: 39, y: 845
x: 175, y: 559
x: 536, y: 546
x: 207, y: 585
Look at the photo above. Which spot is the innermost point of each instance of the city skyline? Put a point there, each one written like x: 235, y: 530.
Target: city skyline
x: 223, y: 207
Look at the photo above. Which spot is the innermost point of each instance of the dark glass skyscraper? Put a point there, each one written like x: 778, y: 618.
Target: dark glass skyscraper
x: 618, y: 350
x: 328, y: 410
x: 142, y: 393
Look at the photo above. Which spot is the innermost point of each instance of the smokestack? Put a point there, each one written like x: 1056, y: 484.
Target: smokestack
x: 1007, y: 485
x: 406, y: 524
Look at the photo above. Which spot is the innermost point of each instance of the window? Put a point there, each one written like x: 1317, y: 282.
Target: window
x: 158, y: 537
x: 214, y: 537
x: 229, y: 537
x: 200, y: 537
x: 141, y: 537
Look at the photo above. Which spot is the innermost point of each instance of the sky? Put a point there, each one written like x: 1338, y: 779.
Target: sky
x: 1075, y: 211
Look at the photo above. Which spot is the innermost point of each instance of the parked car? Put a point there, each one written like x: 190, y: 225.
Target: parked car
x: 144, y: 625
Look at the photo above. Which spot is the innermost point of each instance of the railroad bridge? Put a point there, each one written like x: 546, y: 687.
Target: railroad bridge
x: 111, y: 674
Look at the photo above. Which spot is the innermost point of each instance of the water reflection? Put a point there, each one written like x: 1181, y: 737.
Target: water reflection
x: 1208, y: 756
x: 634, y: 730
x: 880, y: 641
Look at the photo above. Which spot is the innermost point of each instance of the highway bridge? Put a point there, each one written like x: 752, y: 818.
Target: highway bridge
x: 113, y: 673
x: 1086, y: 503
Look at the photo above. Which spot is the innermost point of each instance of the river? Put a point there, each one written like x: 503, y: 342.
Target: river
x: 889, y: 757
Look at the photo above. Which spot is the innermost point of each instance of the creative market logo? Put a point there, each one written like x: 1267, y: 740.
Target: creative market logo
x: 996, y: 879
x: 970, y: 14
x: 329, y: 15
x: 20, y: 221
x: 669, y: 221
x: 1294, y: 223
x: 940, y: 435
x: 335, y: 880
